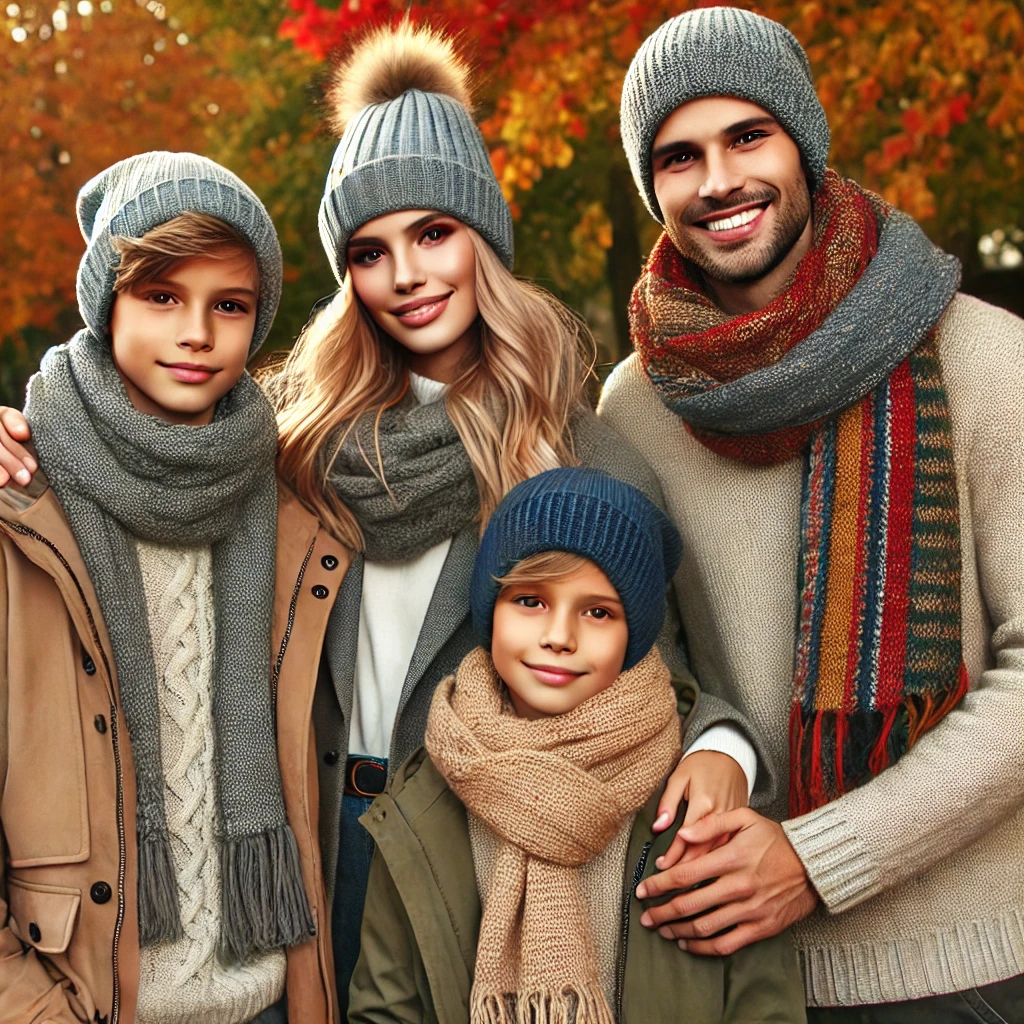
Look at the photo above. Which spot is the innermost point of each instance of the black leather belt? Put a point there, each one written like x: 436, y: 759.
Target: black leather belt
x: 364, y: 776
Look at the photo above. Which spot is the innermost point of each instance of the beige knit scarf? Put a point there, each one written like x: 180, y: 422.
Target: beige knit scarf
x: 555, y: 791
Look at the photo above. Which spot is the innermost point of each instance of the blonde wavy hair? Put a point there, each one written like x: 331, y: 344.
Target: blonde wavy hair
x: 511, y: 402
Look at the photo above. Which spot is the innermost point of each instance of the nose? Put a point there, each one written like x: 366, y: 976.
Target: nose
x: 559, y: 635
x: 409, y: 275
x: 196, y: 332
x: 721, y: 177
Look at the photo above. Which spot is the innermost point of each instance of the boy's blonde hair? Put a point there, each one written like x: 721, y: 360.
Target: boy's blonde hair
x: 187, y: 236
x: 544, y: 567
x: 511, y: 402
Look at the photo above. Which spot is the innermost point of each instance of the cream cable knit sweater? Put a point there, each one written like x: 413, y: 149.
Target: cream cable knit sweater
x: 180, y: 982
x: 921, y: 871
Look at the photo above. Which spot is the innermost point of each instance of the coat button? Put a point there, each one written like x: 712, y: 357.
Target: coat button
x: 320, y: 591
x: 33, y: 932
x: 89, y: 665
x: 329, y: 562
x: 331, y: 757
x: 100, y: 892
x: 101, y: 724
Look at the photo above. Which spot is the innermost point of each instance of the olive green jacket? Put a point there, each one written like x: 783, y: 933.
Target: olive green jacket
x: 422, y: 919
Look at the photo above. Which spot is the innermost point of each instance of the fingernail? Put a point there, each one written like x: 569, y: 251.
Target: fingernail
x: 641, y: 891
x: 662, y: 820
x: 682, y: 944
x: 666, y: 932
x: 23, y: 476
x: 645, y: 919
x: 658, y: 861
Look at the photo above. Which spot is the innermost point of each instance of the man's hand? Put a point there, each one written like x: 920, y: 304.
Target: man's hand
x: 757, y: 886
x: 14, y: 460
x: 709, y: 781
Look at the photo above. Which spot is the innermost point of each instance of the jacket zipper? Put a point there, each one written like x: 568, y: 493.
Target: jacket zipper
x: 25, y: 531
x: 276, y: 676
x: 620, y: 974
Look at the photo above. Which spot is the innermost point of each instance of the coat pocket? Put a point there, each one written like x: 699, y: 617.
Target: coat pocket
x: 42, y: 915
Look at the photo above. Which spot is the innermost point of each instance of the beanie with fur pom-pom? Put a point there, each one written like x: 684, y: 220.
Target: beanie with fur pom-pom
x: 401, y: 103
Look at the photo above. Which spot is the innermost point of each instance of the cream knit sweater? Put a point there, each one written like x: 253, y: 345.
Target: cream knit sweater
x: 183, y: 982
x: 920, y: 871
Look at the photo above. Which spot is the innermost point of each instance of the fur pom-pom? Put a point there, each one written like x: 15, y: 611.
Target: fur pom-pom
x: 391, y: 61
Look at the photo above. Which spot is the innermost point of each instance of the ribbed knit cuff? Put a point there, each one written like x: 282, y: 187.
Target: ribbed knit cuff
x: 837, y: 862
x: 725, y: 738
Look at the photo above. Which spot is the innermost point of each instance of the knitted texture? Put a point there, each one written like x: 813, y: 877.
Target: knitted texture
x: 720, y: 51
x: 430, y: 491
x: 121, y: 475
x: 871, y: 286
x: 600, y: 887
x: 183, y: 979
x: 556, y: 791
x: 919, y: 870
x: 588, y: 513
x: 878, y: 658
x: 419, y: 151
x: 140, y: 193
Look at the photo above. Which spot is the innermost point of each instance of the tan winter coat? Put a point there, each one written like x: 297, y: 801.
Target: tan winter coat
x: 69, y: 937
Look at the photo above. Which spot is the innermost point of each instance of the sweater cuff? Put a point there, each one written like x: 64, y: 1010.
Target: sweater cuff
x: 838, y: 864
x: 725, y: 738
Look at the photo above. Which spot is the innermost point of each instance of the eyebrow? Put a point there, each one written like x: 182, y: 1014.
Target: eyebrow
x: 669, y: 148
x: 414, y: 226
x: 251, y: 292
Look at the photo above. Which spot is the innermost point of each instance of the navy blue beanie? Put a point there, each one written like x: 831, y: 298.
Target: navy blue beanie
x: 587, y: 513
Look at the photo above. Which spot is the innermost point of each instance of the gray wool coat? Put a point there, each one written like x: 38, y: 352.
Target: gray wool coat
x: 447, y: 636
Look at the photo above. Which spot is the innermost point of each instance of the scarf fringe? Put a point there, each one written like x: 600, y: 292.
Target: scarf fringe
x: 159, y: 913
x: 572, y: 1004
x: 263, y: 898
x: 857, y: 745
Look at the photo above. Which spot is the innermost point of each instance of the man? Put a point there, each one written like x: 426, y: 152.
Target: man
x: 840, y: 438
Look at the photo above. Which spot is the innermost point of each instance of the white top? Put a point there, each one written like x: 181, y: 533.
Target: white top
x: 183, y: 981
x: 394, y: 604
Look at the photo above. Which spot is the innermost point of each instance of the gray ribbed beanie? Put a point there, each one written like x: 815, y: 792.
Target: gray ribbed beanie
x: 138, y: 194
x: 417, y: 149
x: 720, y: 51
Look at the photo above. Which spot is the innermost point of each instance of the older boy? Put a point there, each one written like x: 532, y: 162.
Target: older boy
x: 502, y: 888
x: 175, y: 877
x: 838, y: 434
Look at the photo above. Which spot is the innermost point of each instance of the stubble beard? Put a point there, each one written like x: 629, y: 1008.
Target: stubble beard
x: 746, y: 262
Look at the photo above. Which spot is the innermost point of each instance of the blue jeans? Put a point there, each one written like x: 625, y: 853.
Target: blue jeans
x: 355, y: 851
x: 276, y: 1014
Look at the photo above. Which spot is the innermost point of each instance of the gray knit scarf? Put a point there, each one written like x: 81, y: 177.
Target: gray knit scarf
x: 431, y: 492
x: 121, y: 475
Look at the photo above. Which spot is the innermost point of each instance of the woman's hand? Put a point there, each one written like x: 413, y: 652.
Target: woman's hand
x: 15, y: 461
x: 710, y: 782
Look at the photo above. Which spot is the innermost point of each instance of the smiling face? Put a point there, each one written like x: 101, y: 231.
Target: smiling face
x: 180, y: 343
x: 415, y: 272
x: 558, y: 642
x: 734, y: 195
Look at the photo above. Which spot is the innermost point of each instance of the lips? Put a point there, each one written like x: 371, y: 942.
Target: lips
x: 191, y: 373
x: 553, y: 675
x: 422, y: 311
x: 733, y: 225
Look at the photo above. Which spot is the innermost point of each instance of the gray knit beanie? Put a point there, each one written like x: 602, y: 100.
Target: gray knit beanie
x: 408, y: 143
x: 720, y: 51
x: 140, y: 193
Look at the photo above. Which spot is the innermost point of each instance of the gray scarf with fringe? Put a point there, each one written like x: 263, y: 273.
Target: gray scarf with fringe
x: 121, y: 475
x: 431, y: 492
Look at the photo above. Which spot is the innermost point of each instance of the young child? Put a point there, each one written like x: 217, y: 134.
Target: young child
x: 174, y: 877
x: 509, y: 850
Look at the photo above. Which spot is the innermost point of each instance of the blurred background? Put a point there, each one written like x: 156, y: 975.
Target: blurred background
x: 925, y: 99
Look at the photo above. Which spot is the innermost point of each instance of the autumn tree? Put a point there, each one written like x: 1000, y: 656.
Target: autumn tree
x: 925, y: 101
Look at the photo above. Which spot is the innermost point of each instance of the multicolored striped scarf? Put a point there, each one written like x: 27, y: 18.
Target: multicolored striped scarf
x: 841, y: 368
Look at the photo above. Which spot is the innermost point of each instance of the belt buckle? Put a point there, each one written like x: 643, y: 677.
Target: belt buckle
x: 354, y: 786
